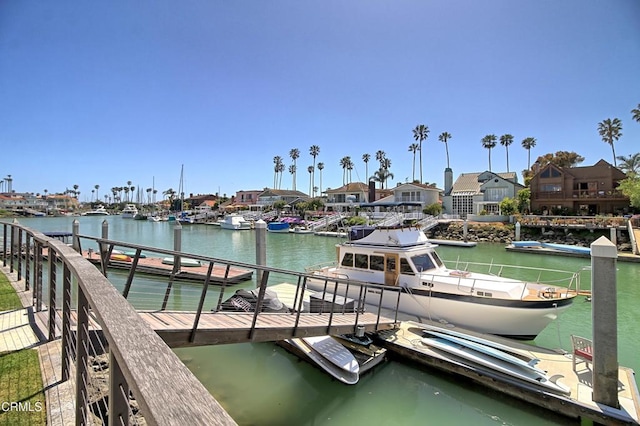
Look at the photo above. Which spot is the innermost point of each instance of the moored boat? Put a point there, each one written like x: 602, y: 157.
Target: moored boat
x: 98, y: 211
x: 129, y: 212
x: 277, y: 226
x: 484, y: 302
x: 235, y: 222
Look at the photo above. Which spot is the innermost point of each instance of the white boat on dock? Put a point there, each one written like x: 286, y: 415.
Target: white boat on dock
x: 485, y: 302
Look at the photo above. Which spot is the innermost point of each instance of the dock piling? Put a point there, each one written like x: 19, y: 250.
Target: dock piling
x: 604, y: 322
x: 261, y: 247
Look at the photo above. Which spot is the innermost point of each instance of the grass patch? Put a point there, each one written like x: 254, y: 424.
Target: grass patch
x: 9, y: 299
x: 22, y: 400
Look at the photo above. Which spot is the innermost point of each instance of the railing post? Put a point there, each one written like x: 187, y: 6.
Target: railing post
x: 104, y: 250
x: 52, y: 293
x: 118, y: 394
x: 37, y: 285
x: 203, y: 295
x: 15, y: 251
x: 27, y: 263
x: 19, y: 260
x: 263, y: 288
x: 4, y: 244
x: 82, y: 361
x: 66, y: 321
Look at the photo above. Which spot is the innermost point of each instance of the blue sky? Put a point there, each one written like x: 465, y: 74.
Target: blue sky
x: 101, y: 93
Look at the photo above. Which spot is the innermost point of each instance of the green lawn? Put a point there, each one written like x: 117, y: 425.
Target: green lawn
x: 9, y: 300
x: 22, y: 400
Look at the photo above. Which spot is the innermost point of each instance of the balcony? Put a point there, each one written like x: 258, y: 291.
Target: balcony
x: 577, y: 194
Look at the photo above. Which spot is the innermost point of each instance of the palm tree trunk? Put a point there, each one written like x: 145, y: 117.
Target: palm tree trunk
x: 413, y: 176
x: 446, y: 147
x: 507, y: 160
x: 421, y: 161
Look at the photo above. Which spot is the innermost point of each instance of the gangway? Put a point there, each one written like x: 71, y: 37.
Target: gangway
x: 325, y: 222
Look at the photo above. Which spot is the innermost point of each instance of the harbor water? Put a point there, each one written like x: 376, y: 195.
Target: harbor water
x: 262, y: 384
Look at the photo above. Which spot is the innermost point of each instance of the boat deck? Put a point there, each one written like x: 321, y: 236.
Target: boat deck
x: 406, y: 342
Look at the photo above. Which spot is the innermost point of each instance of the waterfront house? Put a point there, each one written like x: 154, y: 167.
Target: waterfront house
x: 353, y: 194
x: 589, y: 190
x: 478, y: 193
x: 269, y: 196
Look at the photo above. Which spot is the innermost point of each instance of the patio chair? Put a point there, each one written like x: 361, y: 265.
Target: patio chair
x: 582, y: 350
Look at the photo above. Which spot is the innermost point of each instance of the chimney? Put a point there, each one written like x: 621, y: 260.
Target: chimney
x: 372, y: 191
x: 448, y: 180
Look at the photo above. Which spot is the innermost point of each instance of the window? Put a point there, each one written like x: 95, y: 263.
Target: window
x: 362, y: 261
x: 496, y: 194
x: 437, y: 259
x: 347, y: 260
x: 550, y: 173
x: 422, y: 262
x: 391, y: 264
x: 376, y: 263
x: 405, y: 268
x: 551, y: 187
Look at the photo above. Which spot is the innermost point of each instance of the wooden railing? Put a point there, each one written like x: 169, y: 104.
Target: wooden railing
x: 139, y: 361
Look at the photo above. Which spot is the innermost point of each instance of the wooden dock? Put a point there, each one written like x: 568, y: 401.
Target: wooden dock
x: 175, y: 327
x: 622, y: 256
x: 405, y: 341
x: 155, y: 266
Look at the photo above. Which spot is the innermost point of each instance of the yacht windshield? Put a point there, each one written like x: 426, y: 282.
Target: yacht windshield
x: 422, y: 262
x: 437, y: 259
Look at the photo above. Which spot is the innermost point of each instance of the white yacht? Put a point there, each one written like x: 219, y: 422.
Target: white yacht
x: 235, y: 222
x: 129, y: 211
x: 488, y: 303
x: 98, y: 211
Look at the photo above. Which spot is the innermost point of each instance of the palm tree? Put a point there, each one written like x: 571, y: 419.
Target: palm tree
x: 292, y: 171
x: 281, y: 168
x: 132, y: 188
x: 420, y: 133
x: 366, y: 158
x: 75, y: 190
x: 381, y: 175
x: 294, y: 153
x: 414, y: 147
x: 444, y: 137
x: 320, y: 167
x: 630, y: 164
x: 489, y: 142
x: 126, y: 193
x: 277, y: 160
x: 380, y: 156
x: 610, y: 131
x: 310, y: 170
x: 506, y: 140
x: 148, y: 191
x: 635, y: 113
x: 528, y: 143
x: 97, y: 187
x: 344, y: 162
x: 314, y: 150
x: 126, y: 190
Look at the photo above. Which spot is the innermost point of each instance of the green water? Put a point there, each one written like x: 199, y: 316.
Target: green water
x: 262, y: 384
